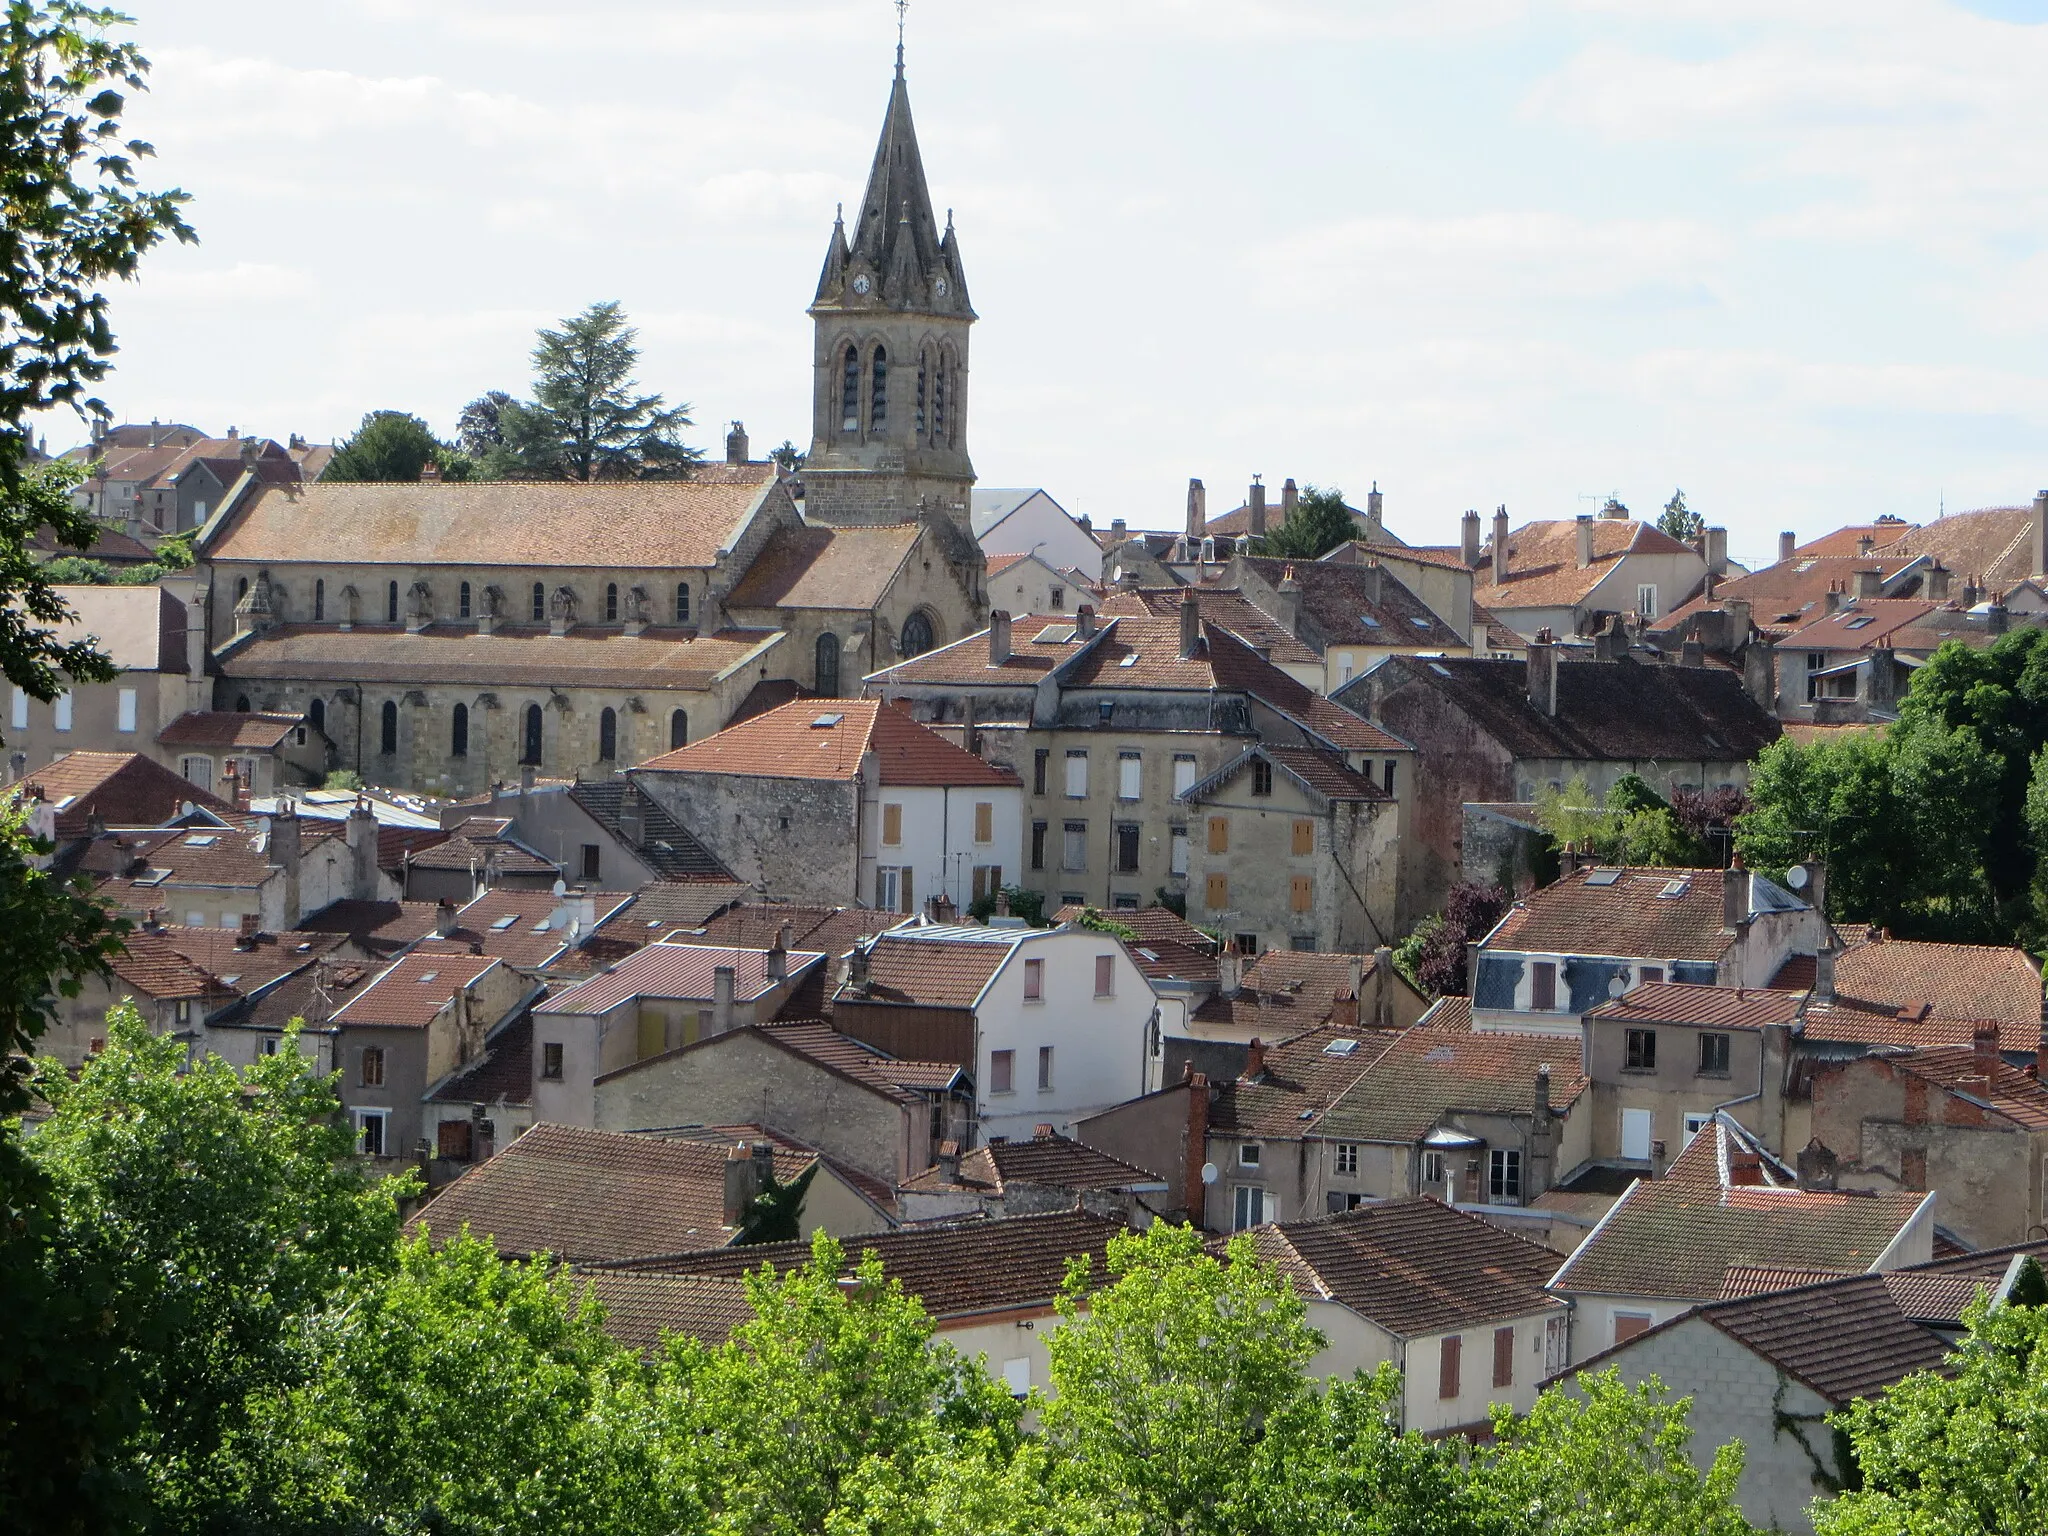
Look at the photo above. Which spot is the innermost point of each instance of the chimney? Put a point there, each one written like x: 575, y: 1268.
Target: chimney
x: 1190, y: 626
x: 1717, y: 551
x: 1937, y: 583
x: 1382, y: 986
x: 1375, y: 582
x: 998, y: 637
x: 1468, y: 539
x: 1734, y: 897
x: 1002, y: 904
x: 1542, y: 664
x: 153, y: 919
x: 1870, y: 583
x: 1996, y: 620
x: 1692, y: 654
x: 1229, y: 972
x: 1193, y: 1191
x: 1984, y: 1050
x: 1254, y: 1060
x: 1288, y: 596
x: 1198, y: 511
x: 736, y: 444
x: 1290, y: 500
x: 721, y: 1000
x: 1119, y: 530
x: 430, y: 472
x: 1585, y: 532
x: 245, y: 934
x: 1745, y: 1166
x: 444, y: 918
x: 1256, y: 502
x: 1760, y: 672
x: 1864, y: 545
x: 362, y: 853
x: 525, y: 780
x: 1542, y: 1092
x: 1500, y: 547
x: 1824, y: 974
x: 949, y: 1161
x: 1084, y: 620
x: 632, y: 815
x: 778, y: 955
x: 1375, y: 521
x: 2040, y: 535
x: 742, y: 1181
x: 1832, y: 602
x: 1788, y: 541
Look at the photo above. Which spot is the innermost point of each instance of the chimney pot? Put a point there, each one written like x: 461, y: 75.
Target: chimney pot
x: 444, y: 918
x: 1984, y: 1048
x: 1468, y: 538
x: 1788, y: 542
x: 1254, y: 1060
x: 1585, y: 533
x: 1190, y: 626
x: 1290, y: 500
x: 998, y: 637
x: 949, y: 1161
x: 1255, y: 503
x: 1198, y: 511
x: 736, y: 447
x: 1500, y: 547
x: 1084, y: 620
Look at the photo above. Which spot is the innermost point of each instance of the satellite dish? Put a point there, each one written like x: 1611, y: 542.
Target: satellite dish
x: 187, y: 808
x: 1797, y: 876
x: 561, y: 887
x: 1616, y: 986
x: 1209, y: 1174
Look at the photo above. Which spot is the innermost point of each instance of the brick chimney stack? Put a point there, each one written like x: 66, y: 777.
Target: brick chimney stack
x: 1468, y: 539
x: 1500, y: 547
x: 1190, y: 626
x: 1198, y: 511
x: 998, y: 637
x: 1255, y: 503
x: 1788, y: 541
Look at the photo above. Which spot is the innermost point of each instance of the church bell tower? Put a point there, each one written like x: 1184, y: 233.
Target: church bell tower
x: 889, y: 389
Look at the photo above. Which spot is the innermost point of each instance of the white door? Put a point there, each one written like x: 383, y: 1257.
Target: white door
x: 1635, y: 1134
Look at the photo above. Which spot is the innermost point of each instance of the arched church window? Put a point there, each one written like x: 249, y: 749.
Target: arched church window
x: 317, y: 713
x: 878, y: 397
x: 391, y: 605
x: 924, y: 364
x: 939, y: 401
x: 678, y: 729
x: 462, y: 601
x: 827, y: 675
x: 319, y: 600
x: 682, y: 602
x: 611, y: 602
x: 849, y: 392
x: 608, y: 736
x: 388, y: 735
x: 540, y: 601
x: 531, y: 754
x: 458, y: 732
x: 917, y: 634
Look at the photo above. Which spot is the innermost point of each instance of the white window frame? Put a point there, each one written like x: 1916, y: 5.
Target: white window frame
x: 1251, y: 1205
x: 362, y: 1118
x: 1130, y: 776
x: 888, y: 887
x: 1347, y: 1159
x: 1178, y: 851
x: 1183, y: 772
x: 126, y: 701
x: 1646, y: 599
x: 1694, y: 1124
x: 1248, y: 1154
x: 1076, y: 783
x: 20, y: 716
x: 1500, y: 1161
x: 60, y: 711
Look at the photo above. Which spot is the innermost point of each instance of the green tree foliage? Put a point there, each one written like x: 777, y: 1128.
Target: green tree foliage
x: 221, y: 1207
x: 77, y: 571
x: 789, y: 456
x: 478, y: 430
x: 76, y: 216
x: 1321, y: 522
x: 1956, y: 1454
x: 1470, y: 911
x: 1679, y: 520
x: 389, y: 446
x: 775, y: 1215
x: 587, y: 419
x: 32, y: 657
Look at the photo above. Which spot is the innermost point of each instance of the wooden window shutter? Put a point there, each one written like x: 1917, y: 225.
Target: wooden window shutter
x: 453, y: 1138
x: 1447, y: 1372
x: 984, y: 821
x: 1503, y: 1357
x: 909, y: 901
x: 892, y: 824
x: 1219, y: 834
x: 1219, y: 892
x: 1303, y: 895
x: 1304, y: 838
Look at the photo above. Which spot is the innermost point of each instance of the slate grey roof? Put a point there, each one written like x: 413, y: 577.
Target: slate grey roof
x: 665, y: 845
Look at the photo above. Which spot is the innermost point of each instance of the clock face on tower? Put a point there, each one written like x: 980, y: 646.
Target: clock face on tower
x: 861, y: 285
x: 942, y: 288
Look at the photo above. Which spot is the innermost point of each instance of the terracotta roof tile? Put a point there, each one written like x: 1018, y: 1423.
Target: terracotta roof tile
x: 1354, y: 605
x: 157, y: 968
x: 1543, y: 562
x: 1953, y: 981
x: 641, y: 1308
x: 521, y: 927
x: 1239, y: 668
x: 642, y: 523
x: 1848, y: 540
x: 661, y: 908
x: 1867, y: 622
x: 479, y: 843
x: 833, y: 568
x: 412, y: 991
x: 1047, y: 1162
x: 1168, y: 945
x: 1668, y: 1002
x: 1302, y: 1079
x: 381, y: 925
x: 2007, y: 1091
x: 1589, y: 912
x: 1039, y: 642
x: 1989, y: 544
x: 1426, y: 1074
x: 1793, y: 592
x: 932, y: 971
x: 1228, y: 609
x: 831, y: 930
x: 1285, y: 992
x: 124, y: 789
x: 674, y: 970
x: 247, y: 965
x: 827, y: 739
x: 906, y: 1082
x: 226, y: 728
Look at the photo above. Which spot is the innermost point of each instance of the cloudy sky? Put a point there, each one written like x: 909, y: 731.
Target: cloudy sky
x: 1793, y: 258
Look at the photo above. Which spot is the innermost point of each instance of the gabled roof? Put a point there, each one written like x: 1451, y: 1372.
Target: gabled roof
x: 1302, y: 1079
x: 225, y: 728
x: 522, y: 927
x: 1347, y: 604
x: 1651, y: 914
x: 1848, y: 539
x: 1414, y: 1267
x: 2005, y: 1091
x: 1989, y: 545
x: 826, y: 739
x: 1949, y: 981
x: 503, y: 1074
x: 664, y: 844
x: 413, y: 991
x: 1426, y: 1074
x: 155, y: 966
x: 828, y: 568
x: 943, y: 967
x: 1046, y: 1162
x: 124, y: 789
x: 1168, y: 946
x: 1793, y: 592
x: 1226, y: 608
x: 958, y: 1269
x: 1285, y: 992
x: 475, y: 843
x: 1704, y: 1007
x: 906, y: 1084
x: 1863, y: 624
x: 1543, y: 561
x: 1322, y: 775
x: 685, y: 971
x: 245, y: 964
x: 594, y: 1196
x: 540, y: 523
x: 641, y: 1308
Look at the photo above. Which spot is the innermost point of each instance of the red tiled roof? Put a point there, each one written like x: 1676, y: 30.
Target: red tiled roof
x: 1054, y: 1162
x: 1228, y: 608
x: 641, y: 1309
x: 1792, y: 592
x: 1628, y: 916
x: 1167, y: 944
x: 1670, y: 1002
x: 412, y: 991
x: 1989, y: 544
x: 157, y: 968
x: 827, y: 739
x: 1355, y: 605
x: 832, y: 568
x: 1953, y: 981
x: 932, y: 971
x: 687, y: 971
x: 124, y: 789
x: 1302, y: 1079
x: 2007, y: 1090
x: 661, y: 908
x: 1543, y: 561
x: 378, y: 925
x: 1868, y: 1026
x: 1848, y: 540
x: 225, y: 728
x: 1426, y: 1074
x: 1863, y: 624
x: 247, y: 965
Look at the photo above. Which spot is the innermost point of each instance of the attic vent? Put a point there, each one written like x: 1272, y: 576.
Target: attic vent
x: 1340, y: 1048
x: 202, y: 840
x: 426, y: 976
x: 826, y: 722
x: 1130, y: 660
x: 1439, y: 669
x: 1676, y: 887
x: 503, y: 923
x: 1603, y: 877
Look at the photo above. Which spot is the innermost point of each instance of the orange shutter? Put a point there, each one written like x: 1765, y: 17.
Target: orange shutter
x: 1219, y: 892
x: 1503, y: 1357
x: 984, y: 822
x: 1304, y: 838
x: 1219, y: 834
x: 892, y: 824
x: 1302, y: 898
x: 1447, y: 1369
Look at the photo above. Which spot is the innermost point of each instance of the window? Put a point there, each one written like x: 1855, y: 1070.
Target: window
x: 462, y: 601
x: 1251, y: 1207
x: 540, y: 601
x: 1056, y: 598
x: 682, y: 602
x: 1249, y: 1154
x: 1045, y: 1069
x: 20, y: 715
x: 1017, y: 1373
x: 530, y: 752
x: 458, y: 732
x: 197, y: 770
x: 593, y: 861
x: 370, y: 1073
x: 125, y: 710
x: 387, y: 740
x: 1038, y: 770
x: 319, y: 600
x: 316, y: 712
x: 849, y: 391
x: 1646, y: 599
x: 917, y: 419
x: 1076, y: 850
x: 608, y: 736
x: 1432, y: 1170
x: 678, y: 728
x: 1301, y: 894
x: 892, y: 825
x: 1038, y: 830
x: 1347, y: 1159
x: 1304, y: 839
x: 60, y: 711
x: 939, y: 399
x: 391, y: 604
x: 984, y: 821
x: 1641, y: 1051
x: 1219, y: 834
x: 1127, y: 847
x: 241, y: 703
x: 370, y: 1131
x: 551, y: 1061
x: 1034, y: 981
x: 1130, y: 774
x: 1217, y: 896
x: 1183, y: 772
x: 1448, y: 1361
x: 1635, y: 1135
x: 1177, y: 842
x: 917, y: 634
x: 1646, y: 975
x: 892, y: 892
x: 1503, y: 1357
x: 1543, y: 984
x: 1262, y: 776
x: 825, y: 666
x: 1504, y: 1176
x: 270, y: 1045
x: 1629, y: 1325
x: 1694, y: 1124
x: 1002, y: 1067
x: 1390, y: 775
x: 1077, y: 774
x: 988, y: 881
x: 878, y: 395
x: 1713, y: 1055
x: 1105, y: 975
x: 241, y: 589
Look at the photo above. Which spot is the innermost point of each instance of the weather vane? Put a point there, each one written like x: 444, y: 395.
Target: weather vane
x: 902, y: 8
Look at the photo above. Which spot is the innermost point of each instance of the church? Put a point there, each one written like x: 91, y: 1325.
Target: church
x: 445, y: 637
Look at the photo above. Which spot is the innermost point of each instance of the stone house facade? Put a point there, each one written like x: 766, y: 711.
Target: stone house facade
x: 142, y: 630
x: 1568, y: 576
